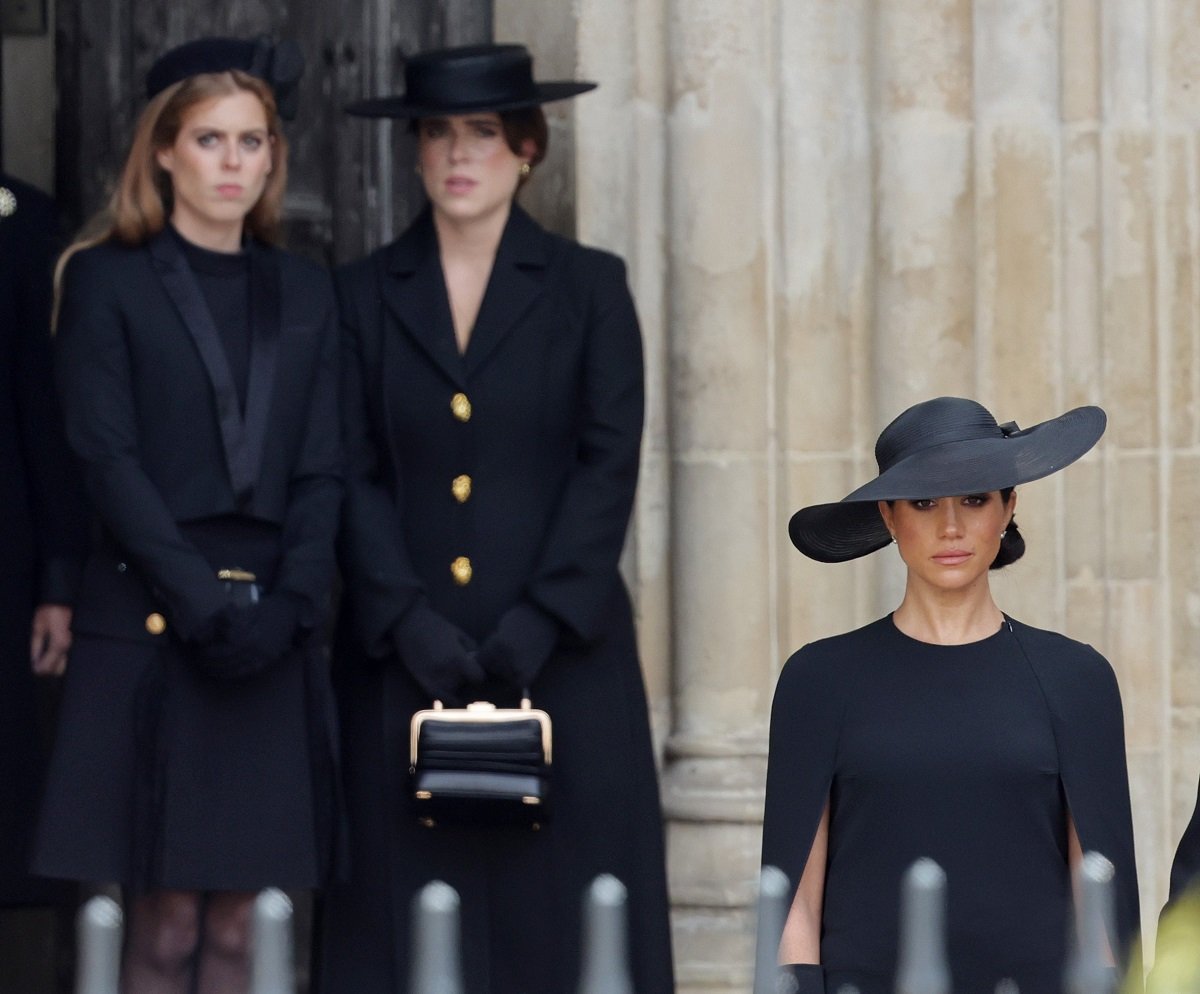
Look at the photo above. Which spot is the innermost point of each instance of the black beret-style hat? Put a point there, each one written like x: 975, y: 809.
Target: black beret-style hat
x: 466, y: 79
x: 946, y: 447
x: 281, y: 65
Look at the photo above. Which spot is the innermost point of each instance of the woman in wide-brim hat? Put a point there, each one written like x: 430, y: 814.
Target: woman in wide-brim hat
x: 194, y: 762
x: 946, y: 729
x: 493, y: 399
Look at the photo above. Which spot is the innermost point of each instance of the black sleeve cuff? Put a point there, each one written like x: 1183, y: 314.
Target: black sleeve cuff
x: 800, y: 978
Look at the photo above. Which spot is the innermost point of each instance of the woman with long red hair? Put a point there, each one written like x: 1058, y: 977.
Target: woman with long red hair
x: 197, y: 366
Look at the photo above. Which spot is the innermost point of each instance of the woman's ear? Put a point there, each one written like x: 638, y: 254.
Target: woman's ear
x: 1012, y: 508
x: 528, y: 150
x: 165, y: 157
x: 885, y: 512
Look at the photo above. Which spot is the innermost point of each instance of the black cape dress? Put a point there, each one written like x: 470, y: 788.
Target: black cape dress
x: 972, y: 755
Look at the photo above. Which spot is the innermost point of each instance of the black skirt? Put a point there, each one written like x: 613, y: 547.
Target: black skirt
x: 163, y: 777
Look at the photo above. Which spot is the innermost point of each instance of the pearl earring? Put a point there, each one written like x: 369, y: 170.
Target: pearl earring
x: 1002, y: 534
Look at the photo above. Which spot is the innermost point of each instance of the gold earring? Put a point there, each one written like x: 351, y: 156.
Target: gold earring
x: 526, y: 168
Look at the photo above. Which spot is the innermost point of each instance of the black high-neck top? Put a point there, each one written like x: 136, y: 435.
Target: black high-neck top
x: 224, y: 279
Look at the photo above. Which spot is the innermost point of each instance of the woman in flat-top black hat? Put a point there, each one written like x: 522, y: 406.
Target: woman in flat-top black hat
x: 197, y: 363
x: 493, y: 413
x: 946, y: 729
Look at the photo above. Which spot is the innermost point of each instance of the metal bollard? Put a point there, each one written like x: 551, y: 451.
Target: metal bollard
x: 1090, y: 969
x: 605, y: 942
x: 922, y: 967
x: 436, y: 968
x: 99, y: 968
x: 772, y: 913
x: 271, y: 962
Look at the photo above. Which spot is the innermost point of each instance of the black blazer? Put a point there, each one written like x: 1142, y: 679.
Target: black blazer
x: 153, y: 415
x: 541, y: 419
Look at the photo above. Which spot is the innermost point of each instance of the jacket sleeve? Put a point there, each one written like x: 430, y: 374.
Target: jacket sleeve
x: 56, y: 494
x: 381, y: 583
x: 806, y: 717
x: 95, y: 373
x: 315, y: 489
x: 574, y: 574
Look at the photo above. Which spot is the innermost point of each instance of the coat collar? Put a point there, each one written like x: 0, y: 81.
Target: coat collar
x: 415, y: 290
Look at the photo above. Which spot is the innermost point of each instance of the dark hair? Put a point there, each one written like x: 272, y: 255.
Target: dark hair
x: 526, y: 124
x: 1012, y: 543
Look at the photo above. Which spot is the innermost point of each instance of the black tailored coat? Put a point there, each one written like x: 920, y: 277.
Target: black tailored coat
x: 542, y: 416
x: 184, y: 483
x: 44, y: 520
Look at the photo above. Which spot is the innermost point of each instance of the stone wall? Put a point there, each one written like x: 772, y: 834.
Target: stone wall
x: 833, y: 209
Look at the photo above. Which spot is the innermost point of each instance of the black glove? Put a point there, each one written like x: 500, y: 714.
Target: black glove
x: 519, y: 647
x: 800, y: 978
x: 252, y: 638
x: 439, y: 655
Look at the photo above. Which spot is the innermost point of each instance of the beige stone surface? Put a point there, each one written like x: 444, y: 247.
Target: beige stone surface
x: 835, y: 208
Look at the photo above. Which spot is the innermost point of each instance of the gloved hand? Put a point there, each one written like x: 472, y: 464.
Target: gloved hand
x: 439, y: 655
x: 519, y: 647
x: 251, y: 638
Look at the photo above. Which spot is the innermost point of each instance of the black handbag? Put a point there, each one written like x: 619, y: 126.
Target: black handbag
x: 481, y: 765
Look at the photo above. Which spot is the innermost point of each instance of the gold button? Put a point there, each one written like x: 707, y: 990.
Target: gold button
x: 461, y: 488
x: 156, y: 624
x: 461, y: 570
x: 460, y: 407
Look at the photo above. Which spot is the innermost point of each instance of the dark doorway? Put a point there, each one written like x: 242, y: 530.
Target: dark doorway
x: 345, y: 196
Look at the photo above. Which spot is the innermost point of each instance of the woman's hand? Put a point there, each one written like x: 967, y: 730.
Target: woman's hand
x: 250, y: 639
x: 519, y: 647
x: 439, y: 655
x: 50, y: 639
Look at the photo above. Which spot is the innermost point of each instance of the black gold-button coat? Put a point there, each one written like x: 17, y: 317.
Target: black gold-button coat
x: 479, y: 480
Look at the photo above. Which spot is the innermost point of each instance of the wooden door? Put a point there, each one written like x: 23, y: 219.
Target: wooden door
x: 351, y: 186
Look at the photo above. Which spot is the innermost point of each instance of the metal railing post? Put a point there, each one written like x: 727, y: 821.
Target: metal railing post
x: 772, y: 913
x: 1090, y: 969
x: 100, y: 924
x: 271, y: 959
x: 436, y: 967
x: 922, y: 967
x: 605, y: 940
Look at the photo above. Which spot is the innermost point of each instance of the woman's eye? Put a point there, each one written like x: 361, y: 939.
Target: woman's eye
x: 206, y: 140
x: 924, y: 503
x: 433, y: 129
x: 252, y: 142
x: 975, y: 500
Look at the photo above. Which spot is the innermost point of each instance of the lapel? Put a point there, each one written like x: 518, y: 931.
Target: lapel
x: 242, y: 439
x: 515, y: 283
x: 414, y: 290
x: 266, y: 325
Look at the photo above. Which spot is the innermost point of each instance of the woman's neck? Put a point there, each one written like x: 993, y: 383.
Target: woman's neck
x: 215, y: 237
x: 943, y: 617
x: 476, y: 237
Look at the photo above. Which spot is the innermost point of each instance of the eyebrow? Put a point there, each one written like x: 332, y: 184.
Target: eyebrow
x: 224, y: 131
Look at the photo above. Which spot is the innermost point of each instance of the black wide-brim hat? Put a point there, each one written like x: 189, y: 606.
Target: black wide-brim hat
x: 945, y: 447
x: 279, y: 64
x: 468, y: 79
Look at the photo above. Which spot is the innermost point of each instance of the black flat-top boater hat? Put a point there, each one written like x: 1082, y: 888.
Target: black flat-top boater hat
x: 279, y: 64
x: 945, y: 447
x: 466, y: 79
